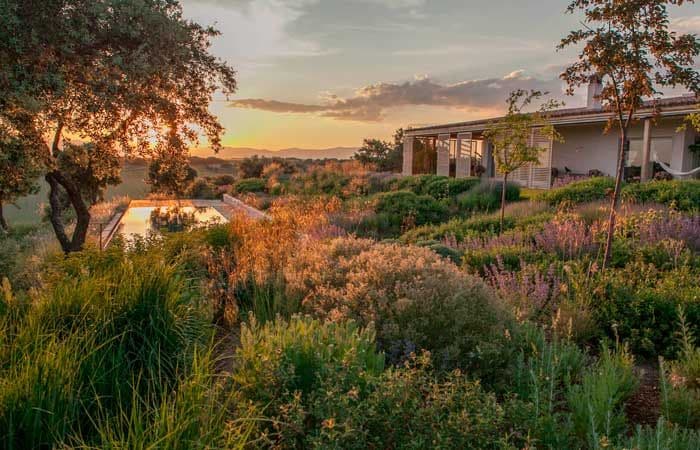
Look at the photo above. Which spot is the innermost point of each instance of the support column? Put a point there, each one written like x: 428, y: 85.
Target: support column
x: 487, y: 160
x: 464, y: 153
x: 443, y: 155
x: 647, y: 167
x: 408, y: 155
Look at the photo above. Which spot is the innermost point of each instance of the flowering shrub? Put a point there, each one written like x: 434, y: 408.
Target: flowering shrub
x: 532, y: 293
x: 416, y: 299
x: 321, y: 385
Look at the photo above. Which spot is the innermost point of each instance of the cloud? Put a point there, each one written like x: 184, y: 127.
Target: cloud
x: 690, y: 24
x: 255, y: 33
x: 370, y: 103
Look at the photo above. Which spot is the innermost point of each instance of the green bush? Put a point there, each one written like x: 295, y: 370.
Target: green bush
x: 592, y: 189
x: 416, y: 299
x: 202, y: 189
x: 400, y: 210
x: 682, y: 194
x: 249, y: 185
x: 639, y: 303
x: 486, y: 196
x: 321, y: 385
x: 459, y: 228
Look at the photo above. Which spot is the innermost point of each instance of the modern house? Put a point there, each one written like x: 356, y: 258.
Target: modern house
x: 459, y: 149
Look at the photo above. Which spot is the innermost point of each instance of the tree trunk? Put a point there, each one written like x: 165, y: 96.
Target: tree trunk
x: 503, y: 199
x: 615, y: 201
x: 4, y: 227
x: 82, y: 213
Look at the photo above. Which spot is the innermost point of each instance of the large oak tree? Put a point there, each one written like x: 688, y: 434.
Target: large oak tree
x: 628, y: 44
x: 113, y: 78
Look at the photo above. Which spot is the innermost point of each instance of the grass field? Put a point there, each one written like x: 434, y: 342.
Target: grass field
x: 28, y: 209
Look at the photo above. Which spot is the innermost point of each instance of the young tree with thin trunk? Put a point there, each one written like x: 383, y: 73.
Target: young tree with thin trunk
x: 511, y: 136
x: 125, y: 77
x: 628, y: 45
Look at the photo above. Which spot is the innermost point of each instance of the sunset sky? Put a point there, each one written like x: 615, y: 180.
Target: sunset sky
x: 326, y: 73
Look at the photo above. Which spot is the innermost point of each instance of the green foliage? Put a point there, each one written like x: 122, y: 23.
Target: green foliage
x: 542, y: 372
x: 170, y: 174
x: 486, y: 196
x: 437, y: 186
x: 681, y: 194
x: 416, y: 299
x: 638, y: 303
x: 249, y: 185
x: 459, y: 228
x: 381, y: 154
x: 202, y: 188
x: 680, y: 380
x: 401, y: 210
x: 322, y: 386
x: 597, y: 404
x: 592, y: 189
x: 116, y: 330
x: 664, y: 436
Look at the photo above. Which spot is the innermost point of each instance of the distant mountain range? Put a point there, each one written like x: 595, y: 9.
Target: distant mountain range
x: 303, y: 153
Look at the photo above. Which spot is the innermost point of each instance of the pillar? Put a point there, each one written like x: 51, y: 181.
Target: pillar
x: 487, y: 160
x: 647, y: 167
x: 464, y: 151
x: 408, y: 155
x: 443, y: 155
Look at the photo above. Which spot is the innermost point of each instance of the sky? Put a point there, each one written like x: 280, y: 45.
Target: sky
x: 328, y: 73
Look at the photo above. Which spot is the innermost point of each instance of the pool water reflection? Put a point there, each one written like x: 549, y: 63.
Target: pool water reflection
x: 140, y: 221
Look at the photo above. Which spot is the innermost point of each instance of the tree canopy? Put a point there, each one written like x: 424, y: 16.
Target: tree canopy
x: 629, y: 47
x: 127, y: 77
x: 383, y: 155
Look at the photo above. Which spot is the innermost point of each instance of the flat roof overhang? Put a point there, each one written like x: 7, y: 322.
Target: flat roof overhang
x: 573, y: 119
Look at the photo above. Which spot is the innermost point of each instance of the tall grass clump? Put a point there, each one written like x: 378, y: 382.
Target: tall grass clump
x: 91, y: 343
x: 247, y: 274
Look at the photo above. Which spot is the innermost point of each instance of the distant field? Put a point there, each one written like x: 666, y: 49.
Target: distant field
x: 132, y: 185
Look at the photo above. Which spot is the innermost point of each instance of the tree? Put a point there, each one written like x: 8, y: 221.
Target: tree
x: 383, y: 155
x: 170, y: 176
x: 628, y: 45
x: 127, y: 77
x: 20, y: 167
x: 510, y: 136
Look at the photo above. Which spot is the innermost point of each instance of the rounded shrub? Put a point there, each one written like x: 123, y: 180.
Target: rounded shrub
x: 683, y: 194
x: 486, y: 196
x: 416, y: 299
x: 592, y: 189
x: 249, y: 185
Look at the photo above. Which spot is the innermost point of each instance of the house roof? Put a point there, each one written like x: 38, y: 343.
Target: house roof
x: 670, y: 106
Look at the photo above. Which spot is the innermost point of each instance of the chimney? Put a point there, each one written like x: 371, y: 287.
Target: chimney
x: 595, y: 86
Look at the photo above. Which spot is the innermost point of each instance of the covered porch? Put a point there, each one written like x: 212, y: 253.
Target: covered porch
x: 655, y: 141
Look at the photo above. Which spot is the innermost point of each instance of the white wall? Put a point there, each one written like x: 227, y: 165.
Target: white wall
x: 586, y: 147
